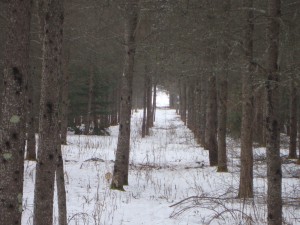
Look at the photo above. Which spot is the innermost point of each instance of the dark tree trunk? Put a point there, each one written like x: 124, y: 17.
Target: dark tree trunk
x: 274, y: 174
x: 202, y: 112
x: 211, y: 122
x: 31, y: 142
x: 246, y: 173
x: 61, y: 190
x: 12, y: 132
x: 223, y: 93
x: 183, y: 99
x: 144, y: 107
x: 114, y: 116
x: 51, y: 18
x: 191, y: 106
x: 259, y: 121
x: 154, y: 102
x: 293, y: 120
x: 149, y: 103
x: 90, y: 96
x: 120, y: 173
x: 197, y: 111
x: 65, y: 97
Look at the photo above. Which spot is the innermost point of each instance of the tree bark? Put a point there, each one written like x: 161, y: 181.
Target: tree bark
x: 183, y: 99
x: 12, y: 132
x: 274, y: 174
x: 246, y: 173
x: 90, y: 96
x: 31, y: 142
x: 120, y: 173
x: 154, y: 102
x: 144, y: 107
x: 61, y: 190
x: 203, y: 94
x: 223, y: 93
x: 149, y: 102
x: 65, y: 97
x: 293, y: 120
x: 51, y: 18
x: 211, y: 122
x: 191, y: 106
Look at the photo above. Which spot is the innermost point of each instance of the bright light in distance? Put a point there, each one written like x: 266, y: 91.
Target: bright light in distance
x: 162, y: 99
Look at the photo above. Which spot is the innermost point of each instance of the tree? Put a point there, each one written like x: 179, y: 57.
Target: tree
x: 120, y: 174
x: 223, y: 93
x: 51, y: 18
x: 274, y: 174
x: 30, y: 120
x: 246, y: 173
x: 12, y: 133
x: 211, y: 114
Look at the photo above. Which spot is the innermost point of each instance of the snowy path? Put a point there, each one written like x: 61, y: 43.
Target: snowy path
x: 165, y: 168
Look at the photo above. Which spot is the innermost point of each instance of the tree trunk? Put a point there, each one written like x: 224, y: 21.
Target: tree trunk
x: 197, y: 110
x: 61, y: 190
x: 183, y: 99
x: 293, y: 121
x: 274, y: 174
x: 223, y: 94
x: 90, y: 96
x: 246, y: 173
x: 211, y: 122
x: 120, y: 173
x: 149, y: 102
x: 51, y: 17
x: 202, y: 112
x: 114, y: 118
x: 65, y: 97
x: 31, y: 142
x: 12, y: 132
x: 259, y: 121
x: 144, y: 107
x: 191, y: 102
x: 154, y: 102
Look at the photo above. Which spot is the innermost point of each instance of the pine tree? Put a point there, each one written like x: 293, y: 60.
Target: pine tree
x: 12, y: 132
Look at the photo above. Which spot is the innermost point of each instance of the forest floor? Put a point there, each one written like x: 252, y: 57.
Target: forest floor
x: 165, y: 168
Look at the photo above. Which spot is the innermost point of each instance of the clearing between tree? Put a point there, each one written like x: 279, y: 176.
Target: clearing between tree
x: 167, y: 169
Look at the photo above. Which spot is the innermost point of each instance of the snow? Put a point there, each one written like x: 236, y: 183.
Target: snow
x: 166, y: 167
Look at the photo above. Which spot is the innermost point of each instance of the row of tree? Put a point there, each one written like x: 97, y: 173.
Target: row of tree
x: 73, y: 63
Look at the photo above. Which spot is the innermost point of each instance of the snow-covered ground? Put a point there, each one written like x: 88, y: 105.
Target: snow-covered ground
x: 165, y: 168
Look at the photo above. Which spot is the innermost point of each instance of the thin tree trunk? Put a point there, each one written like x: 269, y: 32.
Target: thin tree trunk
x: 259, y: 122
x: 183, y: 99
x: 31, y: 142
x: 293, y: 121
x: 191, y: 102
x: 61, y: 190
x: 149, y: 102
x: 90, y: 96
x: 65, y: 97
x: 197, y: 111
x: 12, y: 132
x: 144, y: 107
x: 246, y: 173
x: 154, y: 102
x: 51, y: 18
x: 293, y: 94
x: 120, y: 173
x: 202, y: 124
x: 114, y: 118
x: 274, y: 174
